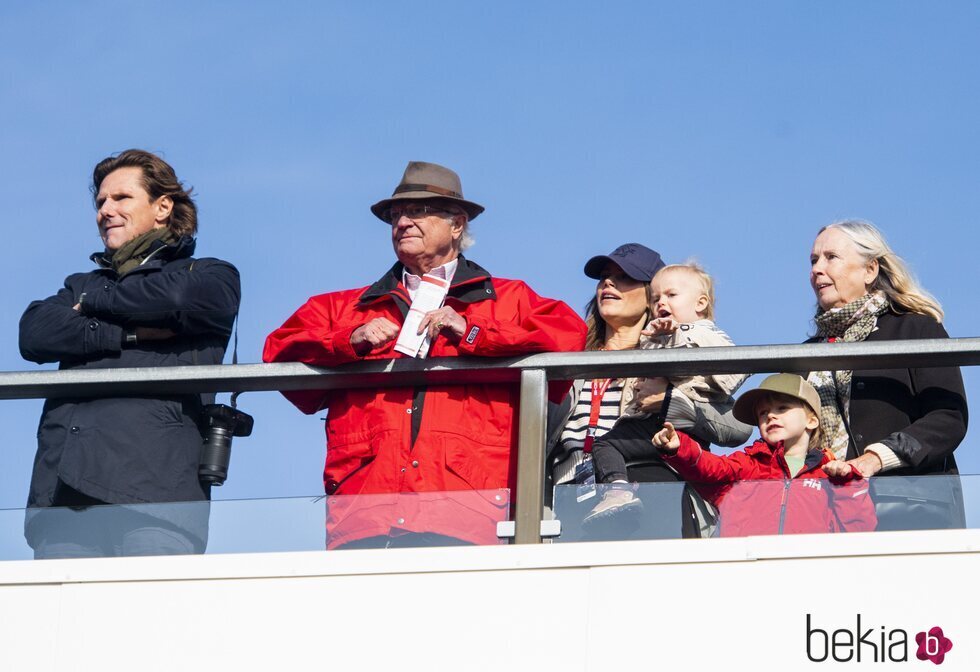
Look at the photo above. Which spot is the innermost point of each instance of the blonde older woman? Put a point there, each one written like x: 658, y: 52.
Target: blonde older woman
x: 894, y: 422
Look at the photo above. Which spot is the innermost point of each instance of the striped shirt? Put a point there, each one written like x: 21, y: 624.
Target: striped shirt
x: 573, y: 436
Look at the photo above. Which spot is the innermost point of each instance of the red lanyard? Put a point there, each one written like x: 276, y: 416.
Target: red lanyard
x: 599, y: 388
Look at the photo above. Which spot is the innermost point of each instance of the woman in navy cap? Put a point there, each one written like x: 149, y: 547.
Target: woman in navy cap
x: 615, y: 316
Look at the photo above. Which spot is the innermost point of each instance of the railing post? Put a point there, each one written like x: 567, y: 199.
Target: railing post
x: 530, y: 456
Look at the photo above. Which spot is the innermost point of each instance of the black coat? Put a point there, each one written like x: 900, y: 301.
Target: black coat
x: 129, y: 449
x: 921, y: 414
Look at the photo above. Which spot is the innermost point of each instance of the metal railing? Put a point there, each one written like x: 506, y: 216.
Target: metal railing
x: 532, y: 372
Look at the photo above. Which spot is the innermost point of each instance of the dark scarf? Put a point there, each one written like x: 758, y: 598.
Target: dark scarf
x: 850, y: 324
x: 136, y: 251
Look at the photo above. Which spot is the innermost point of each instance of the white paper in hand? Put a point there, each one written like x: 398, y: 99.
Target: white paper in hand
x: 429, y: 296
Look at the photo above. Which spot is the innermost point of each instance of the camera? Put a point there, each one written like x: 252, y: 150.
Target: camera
x: 223, y: 423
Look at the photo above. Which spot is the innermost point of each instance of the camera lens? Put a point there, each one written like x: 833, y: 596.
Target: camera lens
x: 215, y: 456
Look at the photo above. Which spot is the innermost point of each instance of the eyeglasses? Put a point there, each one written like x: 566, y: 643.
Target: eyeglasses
x: 413, y: 211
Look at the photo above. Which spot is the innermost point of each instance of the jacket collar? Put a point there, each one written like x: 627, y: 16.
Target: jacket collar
x: 814, y: 458
x: 161, y: 252
x: 471, y: 283
x: 761, y: 449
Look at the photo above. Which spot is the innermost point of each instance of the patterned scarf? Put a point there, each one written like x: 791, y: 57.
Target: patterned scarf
x: 850, y: 324
x: 135, y: 252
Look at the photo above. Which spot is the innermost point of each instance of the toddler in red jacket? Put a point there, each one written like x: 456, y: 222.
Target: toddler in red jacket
x: 781, y: 484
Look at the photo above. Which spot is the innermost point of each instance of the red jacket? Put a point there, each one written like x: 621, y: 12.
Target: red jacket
x: 755, y: 494
x: 458, y: 439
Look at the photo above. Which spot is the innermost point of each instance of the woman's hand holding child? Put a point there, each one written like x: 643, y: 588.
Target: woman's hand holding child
x: 650, y: 393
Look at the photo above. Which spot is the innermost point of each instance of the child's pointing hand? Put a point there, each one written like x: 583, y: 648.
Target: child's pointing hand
x: 666, y: 440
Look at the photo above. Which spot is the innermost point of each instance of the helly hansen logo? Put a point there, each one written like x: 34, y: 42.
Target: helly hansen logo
x: 812, y: 483
x: 471, y: 337
x: 875, y: 644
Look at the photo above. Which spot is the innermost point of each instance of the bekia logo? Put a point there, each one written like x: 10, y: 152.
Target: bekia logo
x: 875, y: 644
x: 933, y: 645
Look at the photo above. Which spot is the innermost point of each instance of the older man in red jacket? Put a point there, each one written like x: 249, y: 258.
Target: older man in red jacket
x: 416, y: 466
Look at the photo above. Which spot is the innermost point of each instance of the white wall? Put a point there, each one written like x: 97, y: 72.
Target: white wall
x: 713, y: 604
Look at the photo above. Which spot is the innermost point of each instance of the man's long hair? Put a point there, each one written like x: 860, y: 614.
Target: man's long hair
x: 159, y: 179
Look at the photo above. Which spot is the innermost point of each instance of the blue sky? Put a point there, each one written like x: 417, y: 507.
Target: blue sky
x: 729, y: 132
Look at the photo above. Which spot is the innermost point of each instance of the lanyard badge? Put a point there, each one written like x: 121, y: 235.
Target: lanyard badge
x: 585, y: 472
x: 599, y: 388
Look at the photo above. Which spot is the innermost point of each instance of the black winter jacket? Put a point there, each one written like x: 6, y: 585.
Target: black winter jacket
x: 921, y: 414
x: 130, y: 449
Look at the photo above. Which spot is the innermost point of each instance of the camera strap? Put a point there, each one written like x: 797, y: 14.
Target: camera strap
x: 234, y: 360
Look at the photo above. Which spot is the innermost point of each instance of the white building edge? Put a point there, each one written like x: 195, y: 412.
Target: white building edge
x: 738, y: 604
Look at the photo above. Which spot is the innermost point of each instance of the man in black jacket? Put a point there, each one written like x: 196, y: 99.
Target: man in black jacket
x: 149, y: 303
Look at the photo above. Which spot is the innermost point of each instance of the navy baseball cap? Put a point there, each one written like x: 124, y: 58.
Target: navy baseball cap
x: 637, y: 261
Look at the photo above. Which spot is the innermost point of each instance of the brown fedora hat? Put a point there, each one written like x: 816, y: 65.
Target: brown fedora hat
x: 427, y: 180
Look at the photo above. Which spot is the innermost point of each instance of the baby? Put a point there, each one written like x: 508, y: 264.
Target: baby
x: 682, y: 310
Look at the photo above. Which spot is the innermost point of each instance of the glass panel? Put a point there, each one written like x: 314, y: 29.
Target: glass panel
x: 262, y: 525
x: 154, y: 449
x: 653, y: 511
x: 797, y: 506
